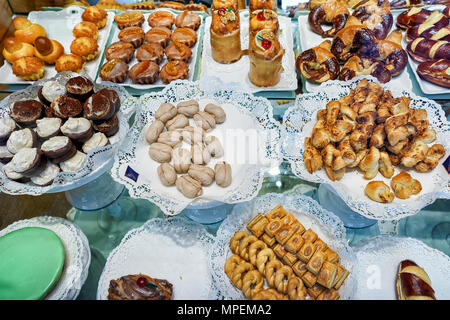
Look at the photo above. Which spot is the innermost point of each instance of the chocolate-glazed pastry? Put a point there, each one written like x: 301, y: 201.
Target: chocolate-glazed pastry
x: 178, y: 51
x: 120, y: 50
x: 48, y: 127
x: 184, y: 35
x: 188, y: 19
x: 73, y: 163
x: 13, y: 175
x: 49, y: 91
x: 46, y: 176
x: 114, y: 70
x: 7, y: 126
x: 79, y: 88
x: 65, y: 107
x: 133, y: 35
x: 98, y: 107
x: 77, y: 129
x: 25, y: 138
x: 57, y: 147
x: 28, y: 161
x: 26, y: 112
x: 150, y: 51
x: 144, y: 72
x: 174, y: 70
x: 160, y: 35
x: 113, y: 97
x: 109, y: 127
x: 5, y: 155
x: 161, y: 19
x: 97, y: 140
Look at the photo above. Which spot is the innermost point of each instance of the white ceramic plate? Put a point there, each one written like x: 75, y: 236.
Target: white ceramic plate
x: 59, y: 26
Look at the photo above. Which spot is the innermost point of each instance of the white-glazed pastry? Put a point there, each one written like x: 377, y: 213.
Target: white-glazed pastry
x: 11, y: 174
x: 49, y: 91
x: 77, y: 129
x: 97, y: 140
x: 7, y: 126
x: 25, y: 138
x: 5, y: 155
x: 73, y: 163
x: 48, y: 127
x: 46, y: 176
x: 25, y: 160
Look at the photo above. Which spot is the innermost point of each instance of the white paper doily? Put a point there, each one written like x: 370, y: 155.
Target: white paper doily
x: 96, y: 159
x: 327, y: 226
x: 299, y: 120
x: 170, y: 248
x: 78, y: 254
x: 238, y: 71
x: 247, y: 116
x: 379, y: 258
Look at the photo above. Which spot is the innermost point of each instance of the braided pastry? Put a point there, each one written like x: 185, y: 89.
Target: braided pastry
x: 252, y: 282
x: 271, y: 271
x: 296, y: 289
x: 254, y: 249
x: 263, y: 257
x: 236, y: 240
x: 243, y: 247
x: 239, y: 272
x: 282, y: 278
x: 231, y: 264
x: 266, y: 294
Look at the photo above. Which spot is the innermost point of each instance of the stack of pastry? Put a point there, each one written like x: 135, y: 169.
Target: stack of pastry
x: 371, y: 130
x: 225, y: 31
x: 293, y: 260
x: 265, y: 52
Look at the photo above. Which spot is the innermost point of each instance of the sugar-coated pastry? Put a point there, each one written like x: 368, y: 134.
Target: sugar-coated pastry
x: 188, y: 19
x: 79, y: 88
x: 95, y: 15
x: 48, y: 50
x: 109, y: 127
x: 114, y: 70
x: 27, y: 31
x: 28, y: 68
x: 85, y: 29
x: 161, y: 19
x: 144, y: 72
x: 113, y: 97
x: 46, y: 176
x: 184, y: 35
x: 405, y: 186
x: 120, y: 50
x: 19, y: 139
x: 133, y: 35
x: 129, y: 19
x: 66, y: 107
x: 98, y: 107
x: 14, y: 49
x: 79, y: 129
x: 7, y: 126
x: 73, y: 163
x: 48, y: 127
x: 69, y: 62
x: 26, y: 112
x: 85, y: 47
x: 152, y: 51
x: 99, y: 139
x: 5, y: 155
x: 49, y: 91
x: 27, y: 161
x: 160, y: 35
x: 174, y: 70
x: 178, y: 51
x: 379, y: 191
x: 58, y: 147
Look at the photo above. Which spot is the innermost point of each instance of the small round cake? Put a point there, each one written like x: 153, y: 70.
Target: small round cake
x: 159, y: 35
x: 47, y: 175
x: 113, y: 97
x: 49, y: 91
x: 59, y: 147
x: 25, y: 138
x: 109, y: 127
x: 120, y: 50
x: 73, y: 163
x: 48, y: 127
x: 79, y: 129
x: 144, y: 72
x: 7, y: 126
x: 150, y: 51
x: 65, y: 107
x: 97, y: 140
x: 5, y: 155
x: 28, y: 161
x: 31, y: 263
x: 80, y: 88
x: 13, y: 175
x: 98, y: 107
x: 161, y: 19
x: 114, y: 70
x: 26, y: 112
x: 133, y: 35
x: 178, y: 51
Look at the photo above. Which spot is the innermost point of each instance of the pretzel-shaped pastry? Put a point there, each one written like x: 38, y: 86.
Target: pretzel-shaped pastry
x: 296, y: 289
x: 243, y: 247
x: 254, y: 249
x: 235, y: 241
x: 333, y: 12
x: 282, y: 277
x: 271, y: 271
x: 231, y: 264
x: 267, y: 294
x: 263, y: 257
x: 377, y: 18
x: 252, y: 282
x: 239, y: 273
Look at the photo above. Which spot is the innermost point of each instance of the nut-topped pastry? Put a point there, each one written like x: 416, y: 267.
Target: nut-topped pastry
x: 133, y: 35
x: 178, y: 51
x: 120, y: 50
x: 80, y: 88
x: 144, y: 72
x: 69, y: 62
x: 184, y: 35
x: 65, y: 107
x: 47, y: 50
x: 129, y: 19
x: 26, y: 112
x: 160, y: 35
x: 150, y: 51
x: 95, y: 15
x: 174, y: 70
x: 85, y: 29
x: 28, y: 68
x: 161, y: 19
x: 98, y: 107
x: 85, y: 47
x: 188, y: 19
x: 114, y: 70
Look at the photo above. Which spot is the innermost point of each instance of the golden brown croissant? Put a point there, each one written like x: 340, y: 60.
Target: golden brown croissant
x: 431, y: 160
x: 413, y: 282
x: 312, y: 157
x: 405, y: 186
x: 379, y: 191
x: 370, y: 163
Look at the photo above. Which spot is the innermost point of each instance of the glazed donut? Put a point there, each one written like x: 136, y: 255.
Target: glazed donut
x: 296, y: 289
x: 48, y: 50
x: 243, y: 247
x: 252, y: 282
x: 231, y: 264
x: 235, y: 241
x: 263, y: 257
x: 436, y: 71
x: 27, y: 31
x: 333, y: 11
x: 377, y: 18
x: 239, y: 273
x: 282, y: 278
x: 254, y: 249
x: 15, y: 49
x: 271, y: 271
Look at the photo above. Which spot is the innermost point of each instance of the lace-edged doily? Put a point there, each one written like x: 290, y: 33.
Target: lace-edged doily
x: 379, y: 258
x: 240, y: 107
x: 96, y: 159
x: 328, y: 227
x: 301, y: 117
x: 78, y: 254
x: 171, y: 248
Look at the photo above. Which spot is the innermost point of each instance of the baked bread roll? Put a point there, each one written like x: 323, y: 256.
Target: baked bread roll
x: 14, y: 49
x: 379, y: 191
x: 27, y: 31
x: 413, y: 282
x: 405, y: 186
x: 28, y: 68
x: 48, y: 50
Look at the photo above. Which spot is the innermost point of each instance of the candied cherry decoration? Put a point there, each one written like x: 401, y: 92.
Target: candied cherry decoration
x: 141, y: 282
x: 260, y: 16
x: 266, y: 44
x: 221, y: 11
